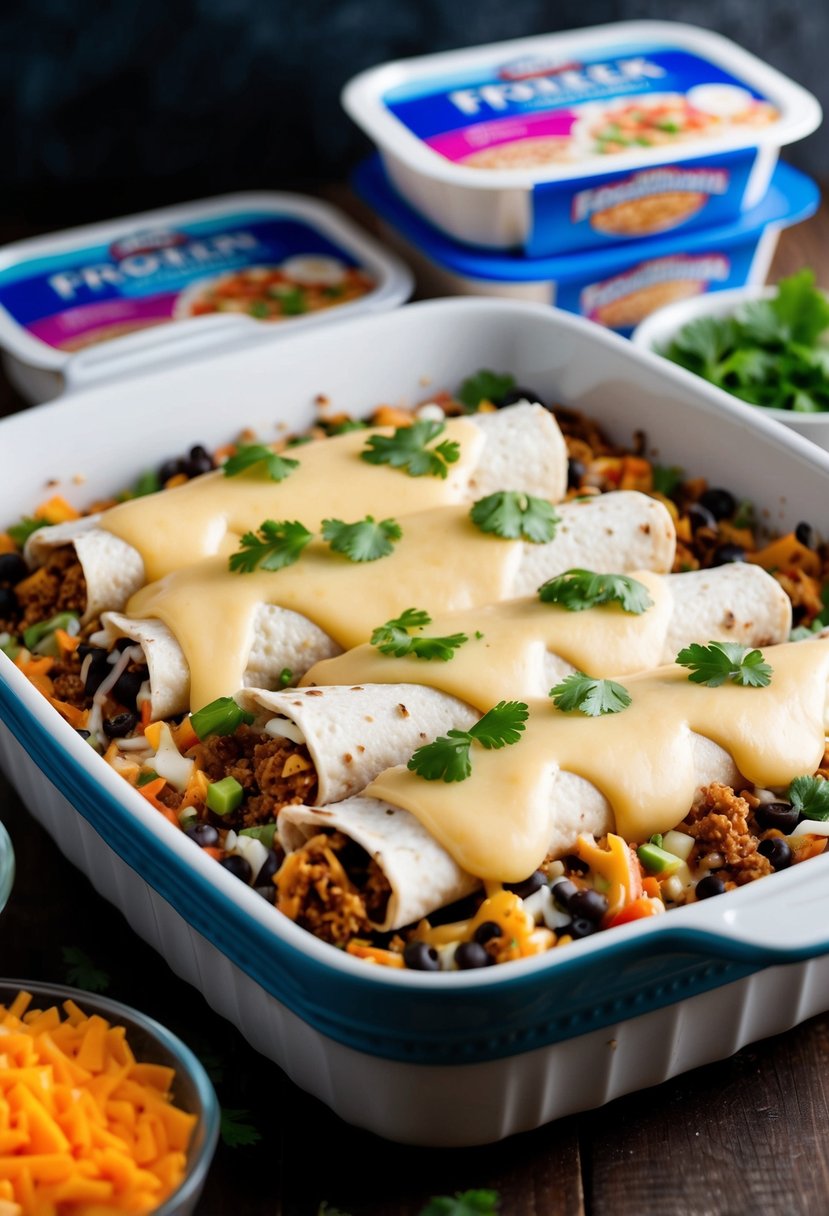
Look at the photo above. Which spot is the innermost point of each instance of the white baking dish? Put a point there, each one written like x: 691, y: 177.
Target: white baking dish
x: 463, y: 1057
x: 433, y: 117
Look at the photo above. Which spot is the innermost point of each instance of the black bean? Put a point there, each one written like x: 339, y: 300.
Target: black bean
x: 12, y: 568
x: 97, y: 671
x: 238, y: 867
x: 579, y: 927
x: 472, y: 954
x: 8, y: 602
x: 576, y: 470
x: 529, y: 885
x: 204, y: 834
x: 199, y: 461
x: 563, y: 892
x: 712, y: 884
x: 777, y: 851
x: 805, y: 534
x: 779, y: 815
x: 127, y: 686
x: 84, y: 734
x: 700, y: 517
x: 575, y: 865
x: 487, y: 932
x: 419, y: 956
x: 170, y: 468
x: 513, y: 395
x: 721, y: 503
x: 268, y: 868
x: 588, y: 904
x: 120, y: 725
x: 723, y: 554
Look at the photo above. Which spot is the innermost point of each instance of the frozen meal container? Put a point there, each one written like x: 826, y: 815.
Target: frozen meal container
x: 617, y: 287
x: 582, y: 139
x: 96, y: 302
x: 446, y: 1058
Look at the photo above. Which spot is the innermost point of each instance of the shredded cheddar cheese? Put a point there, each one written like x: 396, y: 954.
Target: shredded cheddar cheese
x: 84, y: 1127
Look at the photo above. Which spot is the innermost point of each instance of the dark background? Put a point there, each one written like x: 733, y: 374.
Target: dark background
x: 110, y: 106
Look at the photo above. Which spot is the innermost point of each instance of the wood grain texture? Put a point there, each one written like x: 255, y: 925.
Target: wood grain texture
x: 747, y: 1135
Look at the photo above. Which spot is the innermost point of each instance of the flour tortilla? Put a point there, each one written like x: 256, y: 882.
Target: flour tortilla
x: 619, y: 531
x: 422, y: 874
x: 524, y: 450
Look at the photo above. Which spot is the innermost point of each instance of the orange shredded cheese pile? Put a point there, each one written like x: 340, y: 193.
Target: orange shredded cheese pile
x: 85, y: 1130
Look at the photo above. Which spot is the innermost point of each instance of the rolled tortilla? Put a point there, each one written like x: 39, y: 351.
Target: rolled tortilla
x: 422, y: 875
x: 355, y: 731
x: 619, y: 531
x: 523, y: 450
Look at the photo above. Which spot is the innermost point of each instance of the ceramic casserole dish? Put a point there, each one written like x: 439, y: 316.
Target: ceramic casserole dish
x: 449, y: 1058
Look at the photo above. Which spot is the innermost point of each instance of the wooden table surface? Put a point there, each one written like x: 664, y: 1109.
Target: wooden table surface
x: 748, y: 1135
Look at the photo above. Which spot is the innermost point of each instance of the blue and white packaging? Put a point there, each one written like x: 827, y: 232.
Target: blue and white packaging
x: 582, y: 140
x: 617, y: 286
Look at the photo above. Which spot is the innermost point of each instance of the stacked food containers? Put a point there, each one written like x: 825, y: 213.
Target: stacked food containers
x: 608, y: 171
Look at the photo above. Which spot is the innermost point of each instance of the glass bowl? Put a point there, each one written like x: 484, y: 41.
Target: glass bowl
x: 151, y: 1043
x: 6, y: 867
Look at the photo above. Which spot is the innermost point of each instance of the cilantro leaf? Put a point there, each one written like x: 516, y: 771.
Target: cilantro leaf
x: 810, y: 796
x: 577, y: 590
x: 448, y: 758
x: 274, y: 546
x: 82, y: 972
x: 484, y: 386
x: 21, y: 532
x: 407, y: 449
x: 236, y: 1131
x: 588, y: 696
x: 394, y: 638
x: 720, y: 661
x: 470, y: 1203
x: 511, y: 514
x: 248, y: 455
x: 363, y: 541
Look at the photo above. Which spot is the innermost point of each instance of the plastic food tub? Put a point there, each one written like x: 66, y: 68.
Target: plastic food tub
x: 97, y: 302
x: 152, y: 1043
x: 584, y: 139
x: 6, y: 867
x: 459, y: 1057
x: 615, y: 287
x: 656, y: 332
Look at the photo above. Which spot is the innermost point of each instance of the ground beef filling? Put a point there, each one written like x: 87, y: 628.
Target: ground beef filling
x: 57, y: 586
x: 722, y: 824
x: 332, y: 888
x: 273, y: 772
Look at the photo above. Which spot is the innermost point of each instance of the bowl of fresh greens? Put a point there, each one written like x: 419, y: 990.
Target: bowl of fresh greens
x: 768, y: 346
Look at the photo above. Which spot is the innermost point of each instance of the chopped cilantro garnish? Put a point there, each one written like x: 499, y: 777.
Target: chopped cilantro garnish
x: 468, y: 1203
x: 577, y: 590
x: 810, y: 796
x: 591, y: 697
x: 394, y: 638
x: 484, y: 386
x: 407, y: 449
x: 447, y: 759
x: 666, y: 479
x: 720, y: 661
x: 363, y: 541
x: 285, y: 677
x: 769, y: 352
x: 274, y: 546
x: 21, y: 532
x: 514, y: 515
x: 236, y: 1131
x: 248, y: 455
x: 82, y: 972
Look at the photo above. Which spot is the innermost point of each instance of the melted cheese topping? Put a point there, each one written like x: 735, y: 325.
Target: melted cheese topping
x: 497, y: 823
x: 211, y: 610
x: 508, y: 660
x: 209, y: 514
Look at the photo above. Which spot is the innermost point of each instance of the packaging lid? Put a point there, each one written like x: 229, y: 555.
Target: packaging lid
x: 791, y: 197
x: 97, y: 301
x: 559, y: 106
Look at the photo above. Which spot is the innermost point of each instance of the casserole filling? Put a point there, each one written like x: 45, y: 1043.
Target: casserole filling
x: 228, y: 782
